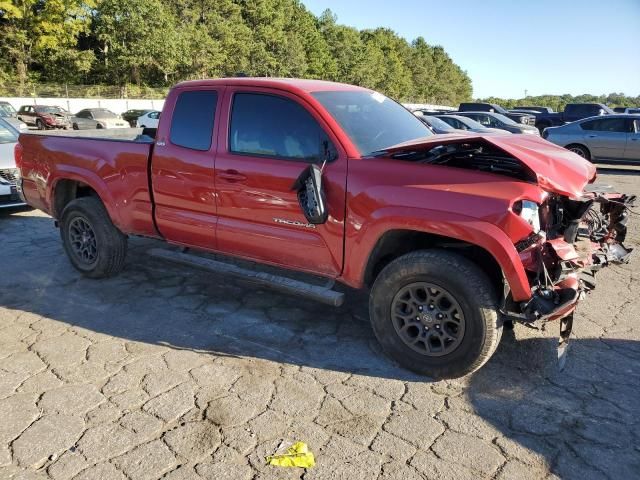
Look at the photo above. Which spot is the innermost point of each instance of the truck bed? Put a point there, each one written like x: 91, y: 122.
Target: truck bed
x: 137, y: 135
x: 113, y: 163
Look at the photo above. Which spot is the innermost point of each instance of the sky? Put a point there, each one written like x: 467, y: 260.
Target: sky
x: 507, y: 47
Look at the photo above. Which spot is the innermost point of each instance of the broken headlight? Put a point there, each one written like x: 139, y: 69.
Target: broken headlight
x: 529, y: 212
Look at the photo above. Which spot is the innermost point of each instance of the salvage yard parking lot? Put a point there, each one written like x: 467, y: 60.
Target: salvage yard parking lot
x: 164, y: 372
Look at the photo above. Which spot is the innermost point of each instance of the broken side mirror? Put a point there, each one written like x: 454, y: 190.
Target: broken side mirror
x: 311, y: 195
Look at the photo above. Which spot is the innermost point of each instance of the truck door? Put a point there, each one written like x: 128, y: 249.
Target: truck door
x: 182, y: 167
x: 266, y: 139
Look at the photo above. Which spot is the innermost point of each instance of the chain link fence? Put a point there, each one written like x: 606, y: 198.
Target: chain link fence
x: 57, y: 90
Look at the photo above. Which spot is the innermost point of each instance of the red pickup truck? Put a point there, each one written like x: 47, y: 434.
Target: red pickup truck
x: 451, y: 234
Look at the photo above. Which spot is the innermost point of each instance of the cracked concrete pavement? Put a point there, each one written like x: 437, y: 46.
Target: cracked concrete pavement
x: 165, y: 372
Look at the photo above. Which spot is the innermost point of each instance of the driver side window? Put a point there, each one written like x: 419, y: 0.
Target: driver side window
x: 273, y: 126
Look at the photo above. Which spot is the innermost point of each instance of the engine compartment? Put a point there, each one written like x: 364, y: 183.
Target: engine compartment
x: 471, y: 155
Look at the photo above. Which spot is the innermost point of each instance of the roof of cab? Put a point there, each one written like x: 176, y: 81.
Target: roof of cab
x: 298, y: 84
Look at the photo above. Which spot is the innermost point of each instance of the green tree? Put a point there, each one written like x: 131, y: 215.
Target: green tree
x: 137, y: 38
x: 158, y: 42
x: 45, y: 34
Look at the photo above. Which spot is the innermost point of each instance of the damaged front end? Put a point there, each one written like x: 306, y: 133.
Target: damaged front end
x: 575, y: 238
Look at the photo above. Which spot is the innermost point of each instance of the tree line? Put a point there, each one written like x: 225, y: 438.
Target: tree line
x: 159, y: 42
x: 558, y: 102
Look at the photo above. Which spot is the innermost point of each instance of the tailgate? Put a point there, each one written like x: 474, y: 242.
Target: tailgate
x: 113, y: 165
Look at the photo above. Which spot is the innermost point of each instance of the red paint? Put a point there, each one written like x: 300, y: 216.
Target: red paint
x: 220, y: 201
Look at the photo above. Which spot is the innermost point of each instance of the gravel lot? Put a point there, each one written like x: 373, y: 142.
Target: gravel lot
x: 166, y: 372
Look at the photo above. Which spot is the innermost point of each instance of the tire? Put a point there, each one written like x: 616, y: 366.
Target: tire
x: 580, y: 150
x: 106, y: 245
x: 75, y: 126
x: 466, y: 289
x: 40, y: 125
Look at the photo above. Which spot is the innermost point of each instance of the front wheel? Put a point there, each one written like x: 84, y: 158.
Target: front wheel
x: 435, y: 313
x: 40, y: 124
x: 92, y: 242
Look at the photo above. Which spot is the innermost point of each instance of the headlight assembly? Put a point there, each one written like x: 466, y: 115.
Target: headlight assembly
x: 529, y: 212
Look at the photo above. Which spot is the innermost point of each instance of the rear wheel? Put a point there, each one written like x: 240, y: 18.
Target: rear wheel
x: 435, y: 313
x: 92, y: 242
x: 579, y: 150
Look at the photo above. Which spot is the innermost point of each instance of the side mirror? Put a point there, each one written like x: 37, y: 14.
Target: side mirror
x: 311, y: 195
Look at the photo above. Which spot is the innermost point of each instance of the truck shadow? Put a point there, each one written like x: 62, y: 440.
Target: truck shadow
x: 583, y: 422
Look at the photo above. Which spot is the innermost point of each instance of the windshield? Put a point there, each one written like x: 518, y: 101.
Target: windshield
x: 372, y: 121
x: 7, y: 134
x: 49, y: 110
x: 470, y: 122
x: 103, y: 114
x: 503, y: 119
x: 498, y: 108
x: 435, y: 122
x: 6, y: 110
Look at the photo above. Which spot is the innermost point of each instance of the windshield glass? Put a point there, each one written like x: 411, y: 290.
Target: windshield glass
x: 6, y: 110
x: 469, y: 122
x: 504, y: 119
x: 49, y: 110
x: 103, y: 114
x: 7, y: 134
x: 498, y: 108
x: 435, y: 122
x: 372, y: 121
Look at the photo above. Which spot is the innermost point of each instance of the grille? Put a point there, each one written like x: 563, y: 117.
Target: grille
x: 9, y: 175
x: 12, y: 198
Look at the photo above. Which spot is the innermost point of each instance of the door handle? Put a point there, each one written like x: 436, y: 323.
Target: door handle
x: 635, y: 139
x: 592, y: 136
x: 232, y: 176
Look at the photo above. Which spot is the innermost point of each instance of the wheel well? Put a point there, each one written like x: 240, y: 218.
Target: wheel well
x: 578, y: 145
x: 396, y: 243
x: 68, y: 190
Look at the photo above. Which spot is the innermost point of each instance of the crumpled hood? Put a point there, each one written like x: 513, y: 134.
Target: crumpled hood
x: 557, y: 170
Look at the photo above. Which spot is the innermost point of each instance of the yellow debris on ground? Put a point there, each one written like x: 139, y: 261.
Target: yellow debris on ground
x: 298, y: 455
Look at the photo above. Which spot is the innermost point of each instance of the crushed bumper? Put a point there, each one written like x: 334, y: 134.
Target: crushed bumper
x: 584, y: 236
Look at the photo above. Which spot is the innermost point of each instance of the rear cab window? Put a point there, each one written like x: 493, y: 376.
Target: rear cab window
x: 193, y: 118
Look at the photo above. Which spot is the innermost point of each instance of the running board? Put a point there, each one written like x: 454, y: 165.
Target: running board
x: 323, y: 294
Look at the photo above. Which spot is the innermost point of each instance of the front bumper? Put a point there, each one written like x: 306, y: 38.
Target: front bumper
x: 10, y: 197
x: 562, y: 269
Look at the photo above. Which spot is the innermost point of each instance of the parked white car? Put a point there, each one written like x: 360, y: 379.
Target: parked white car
x: 8, y: 172
x: 148, y: 120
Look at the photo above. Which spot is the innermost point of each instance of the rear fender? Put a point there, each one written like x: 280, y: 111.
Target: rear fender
x: 86, y: 177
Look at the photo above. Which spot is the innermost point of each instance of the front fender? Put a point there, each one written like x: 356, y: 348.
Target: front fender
x: 361, y: 240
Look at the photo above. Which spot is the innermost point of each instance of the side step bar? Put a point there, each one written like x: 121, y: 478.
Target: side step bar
x: 323, y: 294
